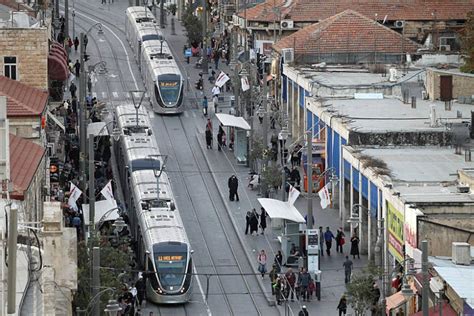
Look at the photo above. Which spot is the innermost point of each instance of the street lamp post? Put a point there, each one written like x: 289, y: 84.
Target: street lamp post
x: 309, y: 178
x: 283, y: 136
x: 73, y: 22
x: 205, y: 69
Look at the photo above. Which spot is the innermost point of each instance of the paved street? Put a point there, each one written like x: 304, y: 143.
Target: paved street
x: 214, y: 225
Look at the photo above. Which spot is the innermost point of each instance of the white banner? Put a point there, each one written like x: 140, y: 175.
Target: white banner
x: 74, y: 194
x: 222, y: 79
x: 324, y: 195
x: 107, y: 191
x: 293, y: 195
x: 245, y: 83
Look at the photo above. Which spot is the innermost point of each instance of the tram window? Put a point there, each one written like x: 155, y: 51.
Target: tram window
x: 10, y: 67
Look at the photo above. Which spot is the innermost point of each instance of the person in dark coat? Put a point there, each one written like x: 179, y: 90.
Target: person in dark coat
x: 339, y: 240
x: 233, y: 184
x: 342, y: 306
x: 254, y: 222
x: 209, y: 136
x: 279, y: 260
x: 76, y: 43
x: 295, y: 178
x: 248, y: 216
x: 77, y: 68
x: 140, y: 285
x: 73, y: 89
x: 355, y: 246
x: 263, y: 219
x: 220, y: 136
x: 86, y: 40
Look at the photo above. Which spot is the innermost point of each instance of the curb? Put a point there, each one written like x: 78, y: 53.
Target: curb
x: 270, y: 300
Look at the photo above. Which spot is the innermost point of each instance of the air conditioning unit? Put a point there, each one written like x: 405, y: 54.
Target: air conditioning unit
x: 461, y: 253
x: 445, y: 48
x: 288, y: 55
x: 287, y: 24
x: 399, y: 24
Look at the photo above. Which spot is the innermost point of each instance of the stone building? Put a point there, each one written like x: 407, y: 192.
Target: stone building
x: 24, y: 55
x: 449, y: 84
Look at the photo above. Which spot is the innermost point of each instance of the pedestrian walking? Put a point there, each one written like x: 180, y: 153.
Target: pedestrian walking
x: 279, y: 288
x: 273, y: 278
x: 303, y: 311
x: 216, y: 60
x: 261, y: 114
x: 76, y: 44
x: 85, y: 40
x: 248, y: 216
x: 328, y: 237
x: 355, y: 246
x: 262, y: 263
x: 303, y: 283
x: 233, y: 185
x: 254, y: 222
x: 72, y: 90
x: 291, y: 280
x: 295, y: 178
x: 342, y: 306
x: 279, y: 260
x: 208, y: 137
x: 140, y: 285
x: 77, y: 68
x: 89, y: 84
x: 220, y: 138
x: 340, y: 241
x: 263, y: 219
x: 204, y: 105
x: 347, y: 270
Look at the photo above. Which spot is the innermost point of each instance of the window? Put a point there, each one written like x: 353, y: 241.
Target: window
x: 9, y: 67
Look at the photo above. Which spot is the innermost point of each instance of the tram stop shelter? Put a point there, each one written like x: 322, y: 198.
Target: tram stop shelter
x: 239, y: 128
x: 288, y: 220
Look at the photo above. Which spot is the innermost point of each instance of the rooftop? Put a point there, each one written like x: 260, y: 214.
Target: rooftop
x: 422, y: 173
x: 22, y: 100
x: 392, y: 115
x: 25, y: 157
x: 346, y: 32
x: 403, y: 10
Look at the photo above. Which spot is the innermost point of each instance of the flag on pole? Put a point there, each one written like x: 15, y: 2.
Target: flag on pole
x: 107, y: 191
x: 245, y: 83
x: 324, y: 195
x: 221, y: 79
x: 293, y: 195
x: 74, y: 194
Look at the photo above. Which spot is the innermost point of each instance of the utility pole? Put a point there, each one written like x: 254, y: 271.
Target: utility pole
x: 283, y: 183
x: 265, y: 108
x: 66, y: 18
x: 56, y: 9
x: 91, y: 188
x: 426, y: 281
x: 12, y: 249
x: 204, y: 38
x: 82, y: 118
x: 96, y: 280
x: 309, y: 178
x: 162, y: 14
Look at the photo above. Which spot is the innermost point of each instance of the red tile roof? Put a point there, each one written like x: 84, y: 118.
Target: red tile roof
x: 22, y: 100
x: 25, y: 157
x: 408, y: 10
x: 346, y: 32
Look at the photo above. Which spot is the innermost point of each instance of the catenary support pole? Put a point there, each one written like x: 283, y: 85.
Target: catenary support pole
x: 96, y: 280
x: 426, y: 281
x: 12, y: 249
x: 66, y: 18
x: 265, y: 108
x: 162, y: 14
x: 91, y: 188
x: 82, y: 119
x: 204, y: 38
x: 309, y: 178
x: 283, y: 183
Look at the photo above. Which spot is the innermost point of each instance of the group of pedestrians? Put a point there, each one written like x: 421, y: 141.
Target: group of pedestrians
x: 328, y: 237
x: 289, y: 285
x: 252, y: 221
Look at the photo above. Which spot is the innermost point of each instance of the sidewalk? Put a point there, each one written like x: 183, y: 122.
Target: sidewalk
x: 222, y: 165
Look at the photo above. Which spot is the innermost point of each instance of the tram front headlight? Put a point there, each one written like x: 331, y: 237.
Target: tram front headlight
x: 183, y: 289
x: 159, y: 290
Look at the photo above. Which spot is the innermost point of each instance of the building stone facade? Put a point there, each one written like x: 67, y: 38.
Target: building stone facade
x: 463, y: 83
x: 30, y: 47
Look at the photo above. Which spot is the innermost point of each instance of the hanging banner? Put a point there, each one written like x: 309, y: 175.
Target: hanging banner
x: 324, y: 195
x: 395, y: 222
x: 245, y: 83
x: 293, y: 195
x: 221, y: 79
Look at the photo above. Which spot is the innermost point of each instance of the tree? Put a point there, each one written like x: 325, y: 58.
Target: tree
x: 193, y: 26
x: 271, y: 177
x: 361, y: 289
x: 256, y: 153
x: 467, y: 44
x: 112, y: 261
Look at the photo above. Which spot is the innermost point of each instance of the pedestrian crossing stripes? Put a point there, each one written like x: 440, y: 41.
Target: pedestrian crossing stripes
x: 116, y: 95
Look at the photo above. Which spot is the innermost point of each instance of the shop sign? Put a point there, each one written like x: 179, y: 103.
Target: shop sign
x: 395, y: 232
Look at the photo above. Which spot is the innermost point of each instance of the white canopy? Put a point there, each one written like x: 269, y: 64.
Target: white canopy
x: 95, y: 128
x: 101, y: 207
x: 234, y: 121
x: 280, y: 209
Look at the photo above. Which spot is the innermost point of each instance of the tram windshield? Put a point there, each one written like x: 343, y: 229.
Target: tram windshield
x: 171, y: 268
x: 150, y: 37
x: 169, y: 86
